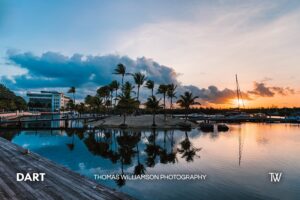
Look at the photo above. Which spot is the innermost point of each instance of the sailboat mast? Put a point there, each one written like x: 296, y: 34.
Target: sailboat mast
x: 237, y: 91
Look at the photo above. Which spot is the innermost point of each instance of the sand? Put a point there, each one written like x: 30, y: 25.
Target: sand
x: 142, y: 121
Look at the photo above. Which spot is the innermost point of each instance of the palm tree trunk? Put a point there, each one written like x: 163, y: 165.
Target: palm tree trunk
x: 116, y: 97
x: 153, y: 123
x: 186, y: 135
x: 138, y: 92
x: 111, y: 98
x: 124, y: 118
x: 74, y: 97
x: 165, y: 114
x: 152, y: 91
x: 171, y: 106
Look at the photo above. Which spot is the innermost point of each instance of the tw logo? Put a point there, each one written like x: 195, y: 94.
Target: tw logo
x: 275, y: 177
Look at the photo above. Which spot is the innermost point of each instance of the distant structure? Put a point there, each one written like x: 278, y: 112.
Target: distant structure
x: 47, y: 101
x: 239, y: 93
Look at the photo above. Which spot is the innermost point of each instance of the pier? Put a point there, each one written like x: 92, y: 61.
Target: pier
x: 59, y: 182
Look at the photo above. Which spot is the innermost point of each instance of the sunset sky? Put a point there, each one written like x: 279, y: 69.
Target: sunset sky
x: 199, y: 45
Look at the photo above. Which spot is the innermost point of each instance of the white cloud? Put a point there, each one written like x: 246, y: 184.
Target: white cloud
x: 253, y: 40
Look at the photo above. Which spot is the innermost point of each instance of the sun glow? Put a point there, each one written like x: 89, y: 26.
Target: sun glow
x: 239, y: 103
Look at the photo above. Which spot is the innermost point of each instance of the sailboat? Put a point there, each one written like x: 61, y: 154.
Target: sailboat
x: 237, y: 113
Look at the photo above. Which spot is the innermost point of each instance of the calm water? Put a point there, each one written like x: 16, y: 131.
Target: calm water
x: 236, y: 162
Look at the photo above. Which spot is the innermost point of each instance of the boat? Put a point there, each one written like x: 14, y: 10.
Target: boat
x: 222, y: 127
x: 206, y: 127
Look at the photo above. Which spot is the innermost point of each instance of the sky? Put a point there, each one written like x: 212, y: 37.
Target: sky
x: 199, y: 45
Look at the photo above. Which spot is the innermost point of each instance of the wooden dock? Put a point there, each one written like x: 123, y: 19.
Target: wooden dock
x: 59, y: 183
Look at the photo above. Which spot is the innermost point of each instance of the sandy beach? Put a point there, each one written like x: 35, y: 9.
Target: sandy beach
x: 142, y: 121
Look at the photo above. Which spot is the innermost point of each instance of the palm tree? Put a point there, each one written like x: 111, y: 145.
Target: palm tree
x: 186, y: 101
x: 94, y: 102
x: 126, y: 104
x: 127, y: 88
x: 153, y: 104
x: 73, y: 91
x: 171, y: 93
x: 115, y: 85
x: 150, y: 86
x: 163, y: 89
x: 139, y: 80
x: 121, y: 70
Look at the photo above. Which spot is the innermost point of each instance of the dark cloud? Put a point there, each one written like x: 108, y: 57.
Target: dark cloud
x: 213, y: 95
x: 260, y: 89
x: 55, y: 71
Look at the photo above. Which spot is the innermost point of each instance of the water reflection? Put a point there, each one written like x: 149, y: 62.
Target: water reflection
x: 236, y: 162
x: 122, y: 146
x: 187, y: 149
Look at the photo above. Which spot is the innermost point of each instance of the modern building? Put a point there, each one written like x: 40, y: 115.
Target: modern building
x: 47, y: 101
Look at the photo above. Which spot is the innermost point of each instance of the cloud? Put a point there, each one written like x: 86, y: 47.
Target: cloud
x: 251, y: 38
x: 213, y: 95
x: 56, y: 71
x: 260, y: 89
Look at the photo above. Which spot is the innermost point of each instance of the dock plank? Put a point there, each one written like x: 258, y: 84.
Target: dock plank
x: 59, y: 183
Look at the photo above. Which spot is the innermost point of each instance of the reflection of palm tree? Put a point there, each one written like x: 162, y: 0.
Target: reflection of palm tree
x: 97, y: 145
x: 152, y: 149
x: 187, y: 149
x: 163, y: 152
x: 172, y: 158
x: 121, y: 181
x: 139, y: 168
x: 127, y: 142
x: 71, y: 145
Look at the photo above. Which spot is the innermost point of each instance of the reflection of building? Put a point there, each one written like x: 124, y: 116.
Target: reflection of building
x: 47, y: 101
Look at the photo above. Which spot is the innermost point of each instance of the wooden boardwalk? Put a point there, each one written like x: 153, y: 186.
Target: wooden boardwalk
x: 59, y: 183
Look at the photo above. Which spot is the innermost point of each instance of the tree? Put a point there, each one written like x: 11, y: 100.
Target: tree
x: 115, y: 85
x: 139, y: 80
x: 94, y: 102
x: 121, y: 70
x: 150, y: 86
x: 126, y: 104
x: 163, y: 89
x: 73, y: 91
x: 171, y: 93
x: 9, y: 101
x: 187, y: 100
x: 153, y: 105
x: 127, y: 89
x: 104, y: 93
